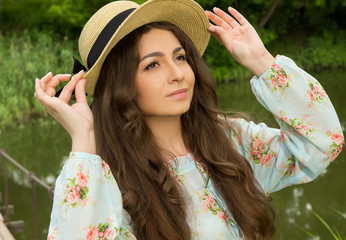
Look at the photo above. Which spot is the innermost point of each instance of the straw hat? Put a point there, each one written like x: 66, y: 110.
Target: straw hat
x: 117, y: 19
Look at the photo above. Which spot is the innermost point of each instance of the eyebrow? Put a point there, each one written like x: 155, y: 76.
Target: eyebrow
x: 159, y: 54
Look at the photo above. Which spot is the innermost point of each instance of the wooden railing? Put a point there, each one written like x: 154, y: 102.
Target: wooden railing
x: 6, y: 209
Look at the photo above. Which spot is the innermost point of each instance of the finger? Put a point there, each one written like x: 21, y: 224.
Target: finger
x: 50, y: 86
x: 68, y: 89
x: 80, y: 91
x: 214, y: 30
x: 226, y: 17
x: 217, y: 20
x: 46, y: 78
x: 59, y: 78
x: 50, y: 91
x: 43, y: 81
x: 40, y: 95
x: 238, y: 16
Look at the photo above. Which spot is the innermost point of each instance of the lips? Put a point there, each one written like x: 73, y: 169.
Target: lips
x: 178, y: 94
x: 180, y: 91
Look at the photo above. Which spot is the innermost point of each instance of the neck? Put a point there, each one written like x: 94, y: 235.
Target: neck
x: 168, y: 134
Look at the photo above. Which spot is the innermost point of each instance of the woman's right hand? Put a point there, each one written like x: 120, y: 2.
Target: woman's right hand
x: 77, y: 119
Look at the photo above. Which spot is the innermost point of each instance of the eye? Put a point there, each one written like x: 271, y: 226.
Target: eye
x: 181, y: 58
x: 151, y: 66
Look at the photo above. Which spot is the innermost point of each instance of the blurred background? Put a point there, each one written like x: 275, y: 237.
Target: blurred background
x: 38, y: 36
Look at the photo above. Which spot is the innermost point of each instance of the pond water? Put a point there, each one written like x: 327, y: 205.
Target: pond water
x: 42, y: 146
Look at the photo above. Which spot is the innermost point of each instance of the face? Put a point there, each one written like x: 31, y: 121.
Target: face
x: 164, y: 79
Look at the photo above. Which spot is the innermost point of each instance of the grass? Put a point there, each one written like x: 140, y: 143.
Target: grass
x: 334, y: 233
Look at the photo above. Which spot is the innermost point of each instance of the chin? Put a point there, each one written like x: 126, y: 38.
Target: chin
x: 171, y: 112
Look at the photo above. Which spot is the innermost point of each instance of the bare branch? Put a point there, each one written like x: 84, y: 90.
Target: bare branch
x: 268, y: 15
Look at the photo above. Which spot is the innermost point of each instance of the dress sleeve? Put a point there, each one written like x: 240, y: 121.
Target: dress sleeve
x: 87, y: 201
x: 310, y: 136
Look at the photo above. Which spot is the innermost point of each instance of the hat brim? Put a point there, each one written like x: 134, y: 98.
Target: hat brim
x: 189, y: 16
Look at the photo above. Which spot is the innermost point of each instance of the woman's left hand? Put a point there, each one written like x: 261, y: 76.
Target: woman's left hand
x: 240, y: 39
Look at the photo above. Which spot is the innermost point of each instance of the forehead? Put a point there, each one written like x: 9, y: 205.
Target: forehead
x: 157, y: 40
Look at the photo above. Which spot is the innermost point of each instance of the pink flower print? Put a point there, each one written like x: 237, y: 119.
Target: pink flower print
x: 323, y: 94
x: 265, y: 160
x: 304, y: 127
x: 205, y: 205
x: 289, y: 77
x: 260, y: 153
x: 282, y: 135
x: 279, y: 79
x: 277, y: 68
x: 210, y: 199
x: 72, y: 197
x: 334, y: 155
x: 51, y: 237
x: 107, y: 173
x: 336, y: 146
x: 259, y: 143
x: 336, y: 137
x: 92, y: 234
x: 316, y: 94
x: 221, y: 215
x: 130, y: 236
x: 312, y: 96
x: 86, y: 201
x: 110, y: 233
x: 255, y: 150
x: 285, y: 119
x: 282, y: 81
x: 81, y: 179
x: 109, y: 220
x: 76, y: 193
x: 274, y: 82
x: 317, y: 88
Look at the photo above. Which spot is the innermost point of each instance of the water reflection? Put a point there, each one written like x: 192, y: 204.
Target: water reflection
x: 294, y: 209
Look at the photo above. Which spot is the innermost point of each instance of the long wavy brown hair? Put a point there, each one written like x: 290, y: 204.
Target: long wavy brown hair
x: 124, y: 140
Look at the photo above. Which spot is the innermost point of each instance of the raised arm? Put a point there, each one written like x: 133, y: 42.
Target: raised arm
x: 310, y: 134
x: 240, y: 39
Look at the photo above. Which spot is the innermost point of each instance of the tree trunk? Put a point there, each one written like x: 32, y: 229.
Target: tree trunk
x: 268, y: 15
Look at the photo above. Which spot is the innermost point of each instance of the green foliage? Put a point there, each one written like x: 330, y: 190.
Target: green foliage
x: 22, y: 58
x: 66, y: 17
x: 311, y: 32
x: 325, y: 52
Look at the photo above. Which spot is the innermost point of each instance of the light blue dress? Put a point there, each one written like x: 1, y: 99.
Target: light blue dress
x: 88, y: 203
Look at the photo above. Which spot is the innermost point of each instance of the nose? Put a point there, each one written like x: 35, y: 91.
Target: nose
x: 176, y: 74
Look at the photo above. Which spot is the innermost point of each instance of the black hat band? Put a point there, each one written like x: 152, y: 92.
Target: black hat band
x: 105, y: 35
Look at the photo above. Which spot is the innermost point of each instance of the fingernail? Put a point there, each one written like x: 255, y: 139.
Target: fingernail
x: 47, y: 74
x: 211, y: 29
x: 67, y: 75
x: 80, y: 71
x: 36, y: 81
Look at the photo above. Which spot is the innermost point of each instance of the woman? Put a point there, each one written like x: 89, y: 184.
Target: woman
x: 155, y: 159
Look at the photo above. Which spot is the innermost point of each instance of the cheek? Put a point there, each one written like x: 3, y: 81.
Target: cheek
x: 191, y: 78
x: 147, y: 95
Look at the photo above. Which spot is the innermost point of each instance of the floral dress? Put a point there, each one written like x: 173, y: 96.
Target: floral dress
x: 88, y: 204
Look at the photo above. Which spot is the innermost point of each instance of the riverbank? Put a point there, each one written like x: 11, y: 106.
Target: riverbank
x: 32, y: 54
